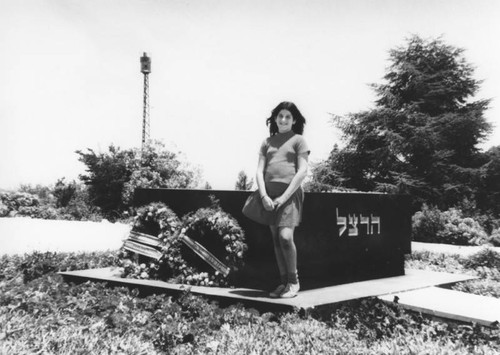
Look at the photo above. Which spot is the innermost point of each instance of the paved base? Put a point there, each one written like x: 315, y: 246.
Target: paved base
x: 414, y: 279
x: 450, y: 304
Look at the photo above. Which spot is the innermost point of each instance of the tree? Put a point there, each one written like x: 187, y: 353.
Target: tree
x: 243, y: 183
x: 207, y: 186
x: 112, y: 176
x: 64, y: 192
x: 325, y: 177
x: 489, y: 191
x: 156, y: 167
x: 422, y: 136
x: 106, y: 176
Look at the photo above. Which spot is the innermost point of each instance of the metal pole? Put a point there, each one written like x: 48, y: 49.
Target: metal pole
x: 145, y: 112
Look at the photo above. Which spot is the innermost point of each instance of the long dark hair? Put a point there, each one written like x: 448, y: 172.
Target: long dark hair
x: 300, y: 121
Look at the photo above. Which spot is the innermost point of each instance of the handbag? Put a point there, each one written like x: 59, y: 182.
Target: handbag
x: 254, y: 209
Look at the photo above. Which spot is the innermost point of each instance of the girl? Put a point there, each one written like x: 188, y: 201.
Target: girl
x: 281, y: 169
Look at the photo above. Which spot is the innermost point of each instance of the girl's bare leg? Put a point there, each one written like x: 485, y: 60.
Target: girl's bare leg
x: 280, y: 258
x: 288, y: 250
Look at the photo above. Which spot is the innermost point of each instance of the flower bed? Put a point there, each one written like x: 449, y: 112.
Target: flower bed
x: 91, y: 318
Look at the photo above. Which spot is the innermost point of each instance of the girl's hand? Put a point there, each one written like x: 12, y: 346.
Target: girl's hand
x: 279, y: 201
x: 268, y: 203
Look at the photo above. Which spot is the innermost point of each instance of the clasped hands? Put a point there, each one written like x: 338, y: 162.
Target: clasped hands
x: 270, y: 204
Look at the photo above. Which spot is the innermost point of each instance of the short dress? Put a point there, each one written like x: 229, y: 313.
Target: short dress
x: 281, y: 152
x: 290, y: 213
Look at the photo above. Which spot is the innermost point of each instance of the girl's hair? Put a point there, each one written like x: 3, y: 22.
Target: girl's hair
x: 300, y: 121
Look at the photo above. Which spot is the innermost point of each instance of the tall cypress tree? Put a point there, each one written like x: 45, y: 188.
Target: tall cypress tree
x: 421, y: 138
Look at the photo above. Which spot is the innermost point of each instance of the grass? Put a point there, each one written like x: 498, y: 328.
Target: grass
x: 91, y: 318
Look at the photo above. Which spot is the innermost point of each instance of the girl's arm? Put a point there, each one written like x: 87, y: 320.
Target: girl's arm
x: 302, y: 162
x: 266, y: 200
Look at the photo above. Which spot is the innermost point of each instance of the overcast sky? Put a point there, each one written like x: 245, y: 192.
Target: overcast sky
x: 70, y: 75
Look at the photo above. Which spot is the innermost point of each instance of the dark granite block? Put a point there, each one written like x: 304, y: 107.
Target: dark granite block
x: 343, y: 238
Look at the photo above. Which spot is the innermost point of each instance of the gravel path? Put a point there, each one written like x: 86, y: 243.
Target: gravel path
x: 24, y: 235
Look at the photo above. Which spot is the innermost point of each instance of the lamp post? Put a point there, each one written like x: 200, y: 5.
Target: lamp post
x: 145, y: 69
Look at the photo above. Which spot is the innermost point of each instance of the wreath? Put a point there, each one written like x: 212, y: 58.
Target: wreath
x: 214, y: 229
x: 220, y: 234
x: 158, y: 220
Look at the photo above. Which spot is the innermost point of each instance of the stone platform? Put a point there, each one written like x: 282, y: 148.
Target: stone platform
x: 306, y: 300
x: 450, y: 304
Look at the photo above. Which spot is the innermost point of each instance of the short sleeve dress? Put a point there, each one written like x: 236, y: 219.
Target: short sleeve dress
x: 281, y: 152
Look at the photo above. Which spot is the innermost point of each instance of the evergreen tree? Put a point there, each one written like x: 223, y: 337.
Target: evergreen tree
x: 325, y: 177
x: 422, y: 136
x: 488, y: 197
x: 243, y: 183
x: 207, y: 186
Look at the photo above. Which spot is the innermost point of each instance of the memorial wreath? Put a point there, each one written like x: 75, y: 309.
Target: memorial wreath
x: 221, y: 235
x: 202, y: 249
x: 157, y: 221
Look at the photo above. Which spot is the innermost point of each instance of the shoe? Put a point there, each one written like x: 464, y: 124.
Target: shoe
x: 291, y: 290
x: 277, y: 292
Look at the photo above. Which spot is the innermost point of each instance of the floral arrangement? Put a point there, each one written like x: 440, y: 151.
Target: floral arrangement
x: 221, y: 234
x: 155, y: 219
x: 211, y: 227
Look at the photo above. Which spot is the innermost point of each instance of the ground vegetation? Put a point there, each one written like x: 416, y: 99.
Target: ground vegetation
x: 94, y: 318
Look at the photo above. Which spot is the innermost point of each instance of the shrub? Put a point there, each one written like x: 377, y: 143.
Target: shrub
x: 461, y: 231
x: 486, y: 257
x: 42, y: 212
x: 13, y: 201
x: 43, y: 193
x: 32, y: 266
x: 4, y: 209
x: 486, y: 265
x: 66, y: 202
x: 38, y: 264
x: 495, y: 237
x: 450, y: 227
x: 79, y: 208
x: 64, y: 192
x: 482, y: 287
x: 487, y: 219
x: 426, y: 260
x: 113, y: 176
x: 426, y: 224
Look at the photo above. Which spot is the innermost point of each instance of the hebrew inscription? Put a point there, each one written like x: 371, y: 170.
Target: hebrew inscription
x: 353, y: 222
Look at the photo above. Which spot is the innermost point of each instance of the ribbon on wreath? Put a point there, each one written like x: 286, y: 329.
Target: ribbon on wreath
x: 203, y: 253
x: 146, y: 245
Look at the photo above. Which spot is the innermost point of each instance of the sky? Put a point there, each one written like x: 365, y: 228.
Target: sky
x: 70, y: 74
